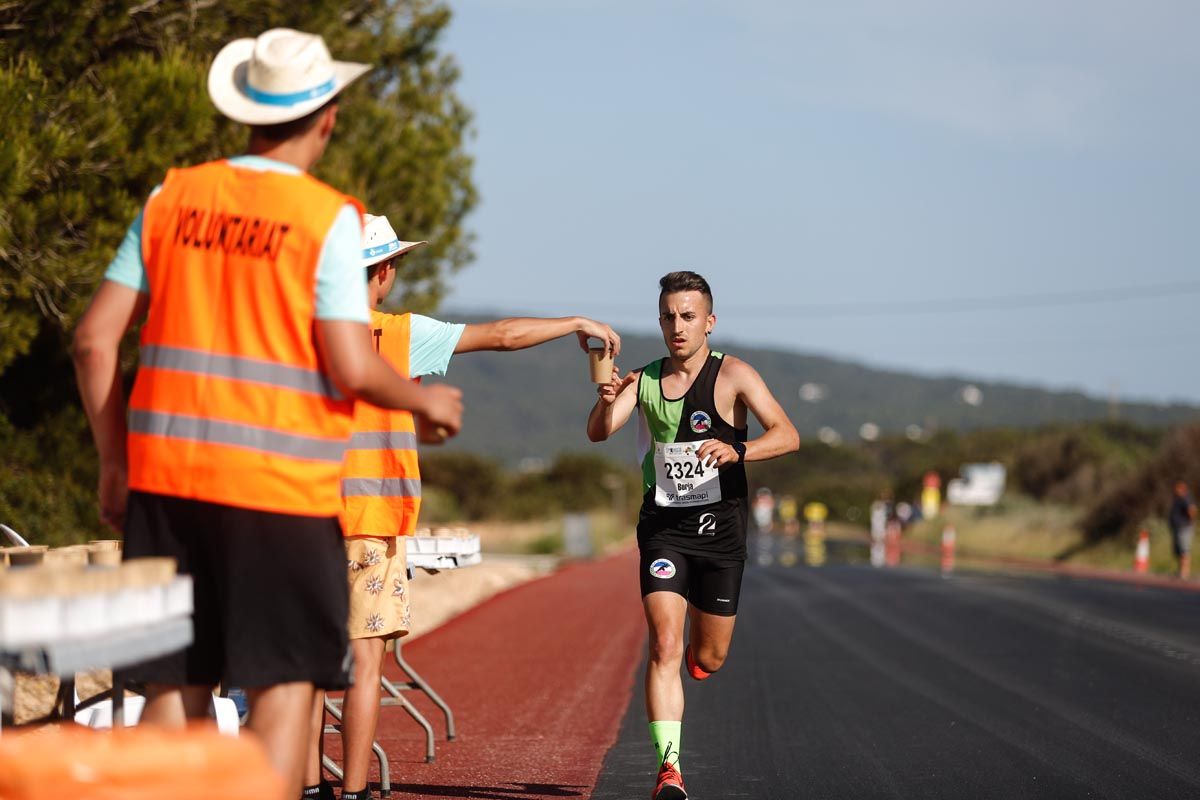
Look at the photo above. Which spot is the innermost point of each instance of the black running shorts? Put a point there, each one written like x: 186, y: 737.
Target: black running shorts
x: 710, y: 584
x: 270, y: 593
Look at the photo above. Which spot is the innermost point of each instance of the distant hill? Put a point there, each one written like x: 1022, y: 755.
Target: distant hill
x: 533, y: 403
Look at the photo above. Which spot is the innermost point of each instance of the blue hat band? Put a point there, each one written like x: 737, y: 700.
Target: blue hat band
x: 381, y: 249
x: 291, y: 99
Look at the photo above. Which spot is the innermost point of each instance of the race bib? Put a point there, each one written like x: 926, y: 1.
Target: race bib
x: 681, y: 479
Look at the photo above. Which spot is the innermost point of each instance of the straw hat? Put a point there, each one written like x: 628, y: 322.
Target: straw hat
x: 381, y: 243
x: 278, y: 77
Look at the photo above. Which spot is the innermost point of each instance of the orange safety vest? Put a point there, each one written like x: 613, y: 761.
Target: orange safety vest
x: 231, y: 404
x: 381, y: 482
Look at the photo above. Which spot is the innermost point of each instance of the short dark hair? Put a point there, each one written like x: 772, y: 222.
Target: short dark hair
x: 685, y: 281
x: 282, y: 131
x: 373, y: 270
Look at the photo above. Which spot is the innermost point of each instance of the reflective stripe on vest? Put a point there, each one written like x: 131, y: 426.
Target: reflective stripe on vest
x: 266, y: 440
x: 231, y: 404
x: 381, y: 480
x: 238, y: 368
x: 381, y: 487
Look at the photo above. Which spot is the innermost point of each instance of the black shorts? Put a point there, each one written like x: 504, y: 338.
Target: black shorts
x: 270, y: 593
x: 710, y: 584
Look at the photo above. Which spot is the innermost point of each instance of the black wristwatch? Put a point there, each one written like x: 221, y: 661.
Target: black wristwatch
x: 740, y: 449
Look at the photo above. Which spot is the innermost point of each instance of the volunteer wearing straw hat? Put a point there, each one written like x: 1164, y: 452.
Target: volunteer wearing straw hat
x: 381, y: 487
x: 255, y: 344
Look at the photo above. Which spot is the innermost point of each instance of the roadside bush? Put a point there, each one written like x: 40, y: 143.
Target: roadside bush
x: 476, y: 483
x: 47, y: 481
x: 1146, y: 491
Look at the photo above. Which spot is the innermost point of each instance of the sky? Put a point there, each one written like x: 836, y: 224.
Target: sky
x: 1000, y: 190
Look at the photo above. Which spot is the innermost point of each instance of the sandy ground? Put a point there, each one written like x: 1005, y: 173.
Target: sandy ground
x: 436, y: 598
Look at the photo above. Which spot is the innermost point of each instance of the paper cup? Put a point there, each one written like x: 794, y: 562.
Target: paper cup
x: 27, y: 556
x: 72, y: 556
x: 600, y: 360
x: 105, y: 544
x: 104, y: 558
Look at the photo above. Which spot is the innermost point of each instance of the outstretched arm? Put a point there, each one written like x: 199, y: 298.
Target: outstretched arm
x: 360, y: 372
x: 518, y: 333
x: 779, y: 435
x: 614, y: 406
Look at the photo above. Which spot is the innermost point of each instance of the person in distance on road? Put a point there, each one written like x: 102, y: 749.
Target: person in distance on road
x: 1182, y: 521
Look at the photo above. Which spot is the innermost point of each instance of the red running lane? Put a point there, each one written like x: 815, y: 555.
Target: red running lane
x: 538, y: 678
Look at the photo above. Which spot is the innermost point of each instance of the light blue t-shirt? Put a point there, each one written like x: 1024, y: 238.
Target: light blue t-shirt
x: 431, y: 344
x: 341, y: 280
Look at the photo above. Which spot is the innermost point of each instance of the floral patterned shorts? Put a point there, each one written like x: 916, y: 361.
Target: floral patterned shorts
x: 378, y: 578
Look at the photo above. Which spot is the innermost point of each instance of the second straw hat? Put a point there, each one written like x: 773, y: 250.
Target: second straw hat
x: 380, y: 241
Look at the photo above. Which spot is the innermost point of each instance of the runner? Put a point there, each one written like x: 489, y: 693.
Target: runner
x: 254, y: 346
x: 692, y: 527
x: 382, y: 490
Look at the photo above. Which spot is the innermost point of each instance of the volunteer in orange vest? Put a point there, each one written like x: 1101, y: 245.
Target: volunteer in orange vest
x: 254, y: 346
x: 381, y: 485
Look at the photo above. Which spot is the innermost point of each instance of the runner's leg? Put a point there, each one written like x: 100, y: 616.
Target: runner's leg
x: 665, y: 613
x: 709, y: 638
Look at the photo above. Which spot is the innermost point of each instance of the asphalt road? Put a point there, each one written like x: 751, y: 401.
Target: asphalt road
x: 851, y: 682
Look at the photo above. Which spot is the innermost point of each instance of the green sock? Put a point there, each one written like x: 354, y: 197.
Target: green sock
x: 665, y: 735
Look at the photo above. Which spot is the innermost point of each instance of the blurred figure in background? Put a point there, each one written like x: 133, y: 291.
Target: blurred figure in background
x: 1182, y: 519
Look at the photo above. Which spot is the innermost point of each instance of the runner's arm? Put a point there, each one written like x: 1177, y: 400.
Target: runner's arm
x: 613, y: 407
x: 518, y: 333
x: 96, y: 353
x: 346, y: 348
x: 779, y: 435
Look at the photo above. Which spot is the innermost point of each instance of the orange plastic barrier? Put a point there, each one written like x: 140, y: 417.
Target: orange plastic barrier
x: 73, y: 763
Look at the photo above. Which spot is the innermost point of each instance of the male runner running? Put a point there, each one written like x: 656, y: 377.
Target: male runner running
x: 381, y: 490
x: 692, y: 527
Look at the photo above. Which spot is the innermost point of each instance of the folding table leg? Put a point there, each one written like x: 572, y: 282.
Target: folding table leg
x: 424, y: 686
x: 399, y: 700
x: 385, y: 780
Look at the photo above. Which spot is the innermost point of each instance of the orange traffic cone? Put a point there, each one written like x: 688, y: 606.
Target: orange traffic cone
x: 1141, y: 556
x: 948, y: 541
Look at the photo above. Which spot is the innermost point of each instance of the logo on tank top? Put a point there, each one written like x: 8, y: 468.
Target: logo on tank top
x: 662, y: 568
x: 700, y: 422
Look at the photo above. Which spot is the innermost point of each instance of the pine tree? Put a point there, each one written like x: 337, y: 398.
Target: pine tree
x: 101, y: 97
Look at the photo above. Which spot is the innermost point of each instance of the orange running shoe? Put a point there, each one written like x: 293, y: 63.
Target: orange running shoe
x: 670, y: 784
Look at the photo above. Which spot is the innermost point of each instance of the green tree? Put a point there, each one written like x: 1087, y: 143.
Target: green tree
x: 101, y: 97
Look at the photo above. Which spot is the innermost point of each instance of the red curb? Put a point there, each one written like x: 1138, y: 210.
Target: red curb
x: 538, y: 678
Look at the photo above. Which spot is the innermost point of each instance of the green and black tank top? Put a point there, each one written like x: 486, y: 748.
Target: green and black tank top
x: 692, y: 523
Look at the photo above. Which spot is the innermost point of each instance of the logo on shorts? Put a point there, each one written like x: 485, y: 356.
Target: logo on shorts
x: 662, y: 568
x: 700, y: 422
x: 708, y: 524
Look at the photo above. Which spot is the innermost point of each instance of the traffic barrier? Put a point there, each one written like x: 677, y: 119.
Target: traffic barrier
x: 1141, y: 556
x: 949, y: 539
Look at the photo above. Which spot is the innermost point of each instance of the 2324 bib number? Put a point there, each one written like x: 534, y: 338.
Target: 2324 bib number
x: 681, y: 479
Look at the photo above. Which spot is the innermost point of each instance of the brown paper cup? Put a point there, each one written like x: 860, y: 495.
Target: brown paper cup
x: 27, y: 556
x: 72, y: 556
x: 600, y: 359
x: 105, y: 544
x: 104, y: 558
x: 139, y: 572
